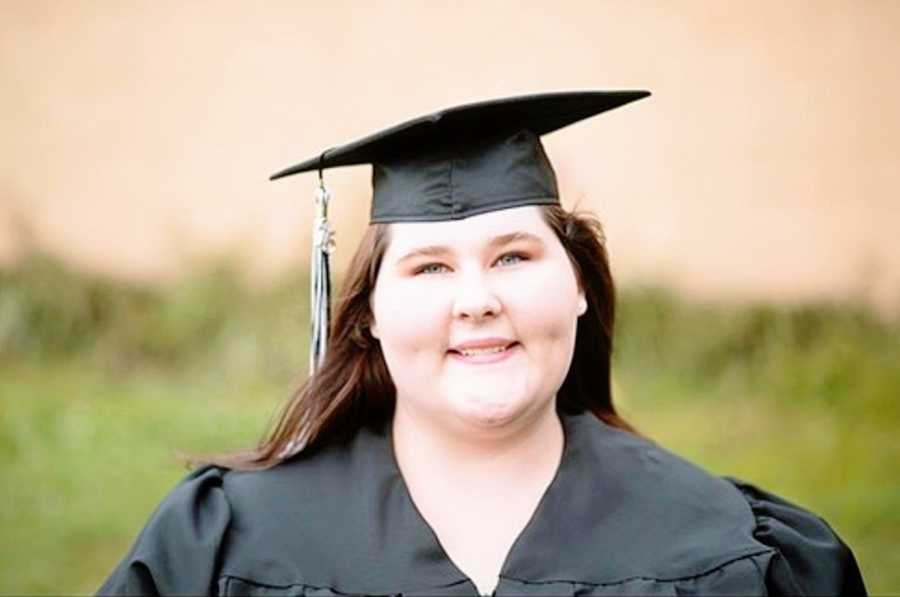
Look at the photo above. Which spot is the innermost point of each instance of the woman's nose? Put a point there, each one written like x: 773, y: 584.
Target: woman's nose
x: 474, y: 299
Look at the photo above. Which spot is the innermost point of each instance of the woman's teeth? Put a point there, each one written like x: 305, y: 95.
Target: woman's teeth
x: 471, y: 352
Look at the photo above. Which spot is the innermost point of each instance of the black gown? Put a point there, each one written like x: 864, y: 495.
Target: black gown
x: 621, y: 517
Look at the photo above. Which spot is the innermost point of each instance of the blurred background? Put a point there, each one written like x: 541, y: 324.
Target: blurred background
x: 153, y: 284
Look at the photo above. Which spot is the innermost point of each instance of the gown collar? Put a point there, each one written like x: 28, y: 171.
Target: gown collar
x: 618, y: 508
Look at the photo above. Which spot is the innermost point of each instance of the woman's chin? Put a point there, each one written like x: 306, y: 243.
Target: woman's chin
x: 489, y: 412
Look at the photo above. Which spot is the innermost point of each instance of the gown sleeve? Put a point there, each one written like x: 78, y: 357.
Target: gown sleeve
x: 177, y: 551
x: 810, y: 559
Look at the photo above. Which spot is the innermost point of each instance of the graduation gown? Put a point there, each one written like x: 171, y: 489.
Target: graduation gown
x: 621, y: 517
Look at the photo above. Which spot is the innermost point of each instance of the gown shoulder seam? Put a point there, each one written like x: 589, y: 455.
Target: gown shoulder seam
x: 744, y: 556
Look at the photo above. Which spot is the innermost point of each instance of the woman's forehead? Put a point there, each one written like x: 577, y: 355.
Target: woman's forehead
x: 472, y: 231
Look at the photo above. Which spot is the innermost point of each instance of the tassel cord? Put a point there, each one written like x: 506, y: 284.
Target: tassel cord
x: 320, y: 282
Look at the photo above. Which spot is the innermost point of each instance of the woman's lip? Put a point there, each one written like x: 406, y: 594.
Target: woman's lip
x: 486, y: 358
x: 490, y: 342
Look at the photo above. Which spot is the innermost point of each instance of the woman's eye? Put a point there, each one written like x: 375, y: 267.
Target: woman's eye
x: 511, y: 259
x: 432, y: 268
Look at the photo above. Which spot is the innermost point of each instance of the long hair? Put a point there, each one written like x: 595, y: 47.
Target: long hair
x: 352, y: 387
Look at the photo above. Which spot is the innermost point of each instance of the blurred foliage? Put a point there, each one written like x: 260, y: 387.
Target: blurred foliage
x: 102, y: 381
x: 824, y: 354
x: 51, y: 312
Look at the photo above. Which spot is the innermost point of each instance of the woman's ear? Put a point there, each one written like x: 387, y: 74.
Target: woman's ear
x: 582, y: 304
x: 373, y: 329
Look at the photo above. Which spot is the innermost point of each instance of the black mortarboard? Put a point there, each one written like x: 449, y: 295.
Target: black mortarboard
x: 466, y: 160
x: 450, y: 165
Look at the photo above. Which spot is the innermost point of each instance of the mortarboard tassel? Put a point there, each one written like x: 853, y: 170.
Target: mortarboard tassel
x: 320, y: 279
x: 319, y: 303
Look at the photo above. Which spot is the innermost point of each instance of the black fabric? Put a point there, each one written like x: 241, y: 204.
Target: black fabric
x: 621, y: 516
x: 463, y: 180
x: 798, y: 569
x: 466, y: 160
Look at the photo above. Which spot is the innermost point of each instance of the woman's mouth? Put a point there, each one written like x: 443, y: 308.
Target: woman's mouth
x: 485, y: 354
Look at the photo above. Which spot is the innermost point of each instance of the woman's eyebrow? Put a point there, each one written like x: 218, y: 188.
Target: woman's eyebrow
x: 505, y: 239
x: 429, y: 251
x: 497, y: 241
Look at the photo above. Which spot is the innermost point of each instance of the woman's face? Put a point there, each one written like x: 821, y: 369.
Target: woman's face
x: 476, y: 317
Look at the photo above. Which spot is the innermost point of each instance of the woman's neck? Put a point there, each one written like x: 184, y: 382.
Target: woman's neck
x: 526, y: 452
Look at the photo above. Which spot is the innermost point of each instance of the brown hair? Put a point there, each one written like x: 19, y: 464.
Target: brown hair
x: 352, y: 387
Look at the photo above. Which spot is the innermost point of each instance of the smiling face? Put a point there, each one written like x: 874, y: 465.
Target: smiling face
x: 476, y: 318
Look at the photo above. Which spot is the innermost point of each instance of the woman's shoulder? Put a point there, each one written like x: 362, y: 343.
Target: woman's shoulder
x: 218, y: 522
x: 322, y: 474
x: 176, y: 551
x: 637, y: 475
x: 699, y: 526
x: 809, y: 558
x: 311, y: 480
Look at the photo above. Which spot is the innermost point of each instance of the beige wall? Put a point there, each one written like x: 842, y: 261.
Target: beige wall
x: 138, y: 135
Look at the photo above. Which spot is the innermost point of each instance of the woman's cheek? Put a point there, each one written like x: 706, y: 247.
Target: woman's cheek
x: 545, y: 299
x: 411, y: 318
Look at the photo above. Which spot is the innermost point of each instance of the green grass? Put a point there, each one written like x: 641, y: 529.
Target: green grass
x: 87, y: 457
x: 101, y: 383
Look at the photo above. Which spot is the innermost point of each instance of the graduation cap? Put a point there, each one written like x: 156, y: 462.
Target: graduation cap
x: 452, y: 164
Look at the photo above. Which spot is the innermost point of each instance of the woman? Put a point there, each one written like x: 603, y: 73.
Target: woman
x: 459, y: 436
